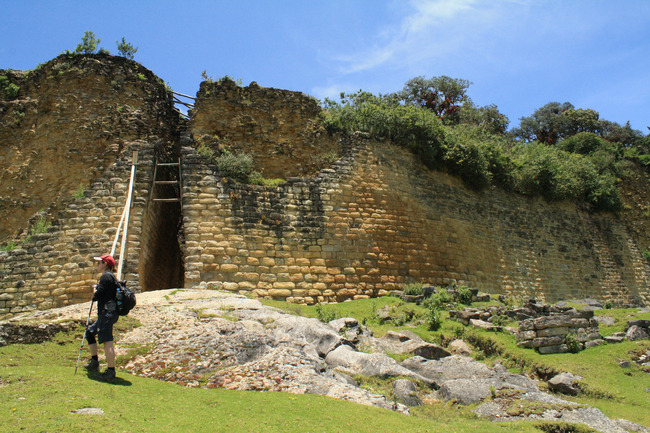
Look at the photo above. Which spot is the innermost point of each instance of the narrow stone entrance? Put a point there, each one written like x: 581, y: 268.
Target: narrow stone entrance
x: 161, y: 258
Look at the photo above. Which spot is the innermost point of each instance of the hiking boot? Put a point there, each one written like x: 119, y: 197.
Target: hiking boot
x: 107, y: 376
x: 92, y: 365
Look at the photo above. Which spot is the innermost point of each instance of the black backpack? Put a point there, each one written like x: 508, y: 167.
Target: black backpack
x: 125, y: 298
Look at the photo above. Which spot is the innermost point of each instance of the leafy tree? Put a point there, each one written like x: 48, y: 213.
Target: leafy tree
x: 443, y: 95
x: 88, y: 44
x: 555, y: 122
x: 547, y: 125
x: 612, y: 131
x: 126, y: 49
x: 488, y: 117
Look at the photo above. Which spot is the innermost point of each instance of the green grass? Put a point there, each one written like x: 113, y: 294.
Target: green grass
x: 39, y: 390
x: 618, y: 392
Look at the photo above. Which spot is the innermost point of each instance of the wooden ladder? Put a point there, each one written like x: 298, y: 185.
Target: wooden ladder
x: 178, y: 182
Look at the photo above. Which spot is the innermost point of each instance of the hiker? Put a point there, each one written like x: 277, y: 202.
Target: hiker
x: 104, y: 293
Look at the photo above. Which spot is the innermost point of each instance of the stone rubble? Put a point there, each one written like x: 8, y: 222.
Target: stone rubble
x: 213, y: 339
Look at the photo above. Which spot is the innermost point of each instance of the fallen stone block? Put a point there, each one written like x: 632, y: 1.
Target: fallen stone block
x: 565, y: 383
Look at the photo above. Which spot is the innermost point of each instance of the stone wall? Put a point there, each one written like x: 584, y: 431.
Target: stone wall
x: 277, y: 127
x: 371, y: 222
x: 88, y: 114
x: 63, y: 128
x: 379, y: 219
x: 549, y: 334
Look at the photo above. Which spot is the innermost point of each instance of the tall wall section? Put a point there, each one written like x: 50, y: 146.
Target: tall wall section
x: 278, y: 128
x: 378, y: 219
x: 82, y: 117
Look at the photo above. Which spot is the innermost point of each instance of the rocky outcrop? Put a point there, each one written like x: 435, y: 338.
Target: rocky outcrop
x: 205, y: 338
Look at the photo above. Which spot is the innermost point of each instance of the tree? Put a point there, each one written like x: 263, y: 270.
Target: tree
x: 488, y: 117
x: 443, y: 95
x: 547, y: 125
x: 555, y: 122
x: 126, y: 49
x: 88, y: 44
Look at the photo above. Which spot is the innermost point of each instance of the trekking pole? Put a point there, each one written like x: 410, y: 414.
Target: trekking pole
x: 84, y: 337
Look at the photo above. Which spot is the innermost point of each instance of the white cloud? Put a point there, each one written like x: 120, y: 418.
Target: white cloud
x: 332, y: 91
x: 431, y: 30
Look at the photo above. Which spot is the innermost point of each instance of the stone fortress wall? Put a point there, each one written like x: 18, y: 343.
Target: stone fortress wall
x: 378, y: 219
x: 371, y: 221
x: 83, y: 116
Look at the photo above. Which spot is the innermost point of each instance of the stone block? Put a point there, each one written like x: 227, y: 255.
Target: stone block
x: 279, y: 293
x: 559, y: 348
x: 251, y: 277
x: 551, y: 332
x: 285, y: 285
x: 548, y: 341
x: 226, y: 267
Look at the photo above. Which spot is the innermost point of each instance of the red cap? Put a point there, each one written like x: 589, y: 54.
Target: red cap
x: 106, y: 258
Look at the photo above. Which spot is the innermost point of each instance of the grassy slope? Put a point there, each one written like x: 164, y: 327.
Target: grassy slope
x: 618, y: 392
x: 39, y: 392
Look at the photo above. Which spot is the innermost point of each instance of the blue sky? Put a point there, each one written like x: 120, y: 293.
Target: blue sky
x: 519, y: 54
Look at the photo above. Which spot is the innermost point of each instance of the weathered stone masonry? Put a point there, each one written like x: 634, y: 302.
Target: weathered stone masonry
x: 119, y: 107
x: 379, y: 219
x: 372, y: 221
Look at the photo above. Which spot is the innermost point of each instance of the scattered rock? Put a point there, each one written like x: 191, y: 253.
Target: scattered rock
x: 612, y: 339
x: 565, y: 383
x: 460, y: 347
x: 349, y: 361
x: 631, y: 426
x: 635, y: 332
x: 88, y: 411
x: 406, y: 392
x: 605, y: 320
x: 624, y: 364
x: 464, y: 379
x: 481, y: 324
x: 594, y: 343
x: 404, y: 343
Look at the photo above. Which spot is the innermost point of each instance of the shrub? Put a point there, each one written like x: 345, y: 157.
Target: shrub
x: 10, y: 89
x: 324, y: 315
x: 126, y: 49
x: 433, y: 319
x: 417, y: 129
x: 80, y: 191
x: 413, y: 289
x: 438, y: 300
x: 646, y: 254
x: 256, y: 178
x: 464, y: 295
x: 88, y: 44
x: 205, y: 151
x: 40, y: 226
x: 559, y: 175
x: 11, y: 245
x: 572, y: 344
x: 238, y: 166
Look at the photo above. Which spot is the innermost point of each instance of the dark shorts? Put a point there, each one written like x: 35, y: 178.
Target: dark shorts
x: 102, y: 328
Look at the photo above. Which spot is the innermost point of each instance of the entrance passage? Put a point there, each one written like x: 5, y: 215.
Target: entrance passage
x: 161, y: 259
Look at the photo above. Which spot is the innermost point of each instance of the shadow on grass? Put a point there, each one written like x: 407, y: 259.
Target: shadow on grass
x: 118, y: 381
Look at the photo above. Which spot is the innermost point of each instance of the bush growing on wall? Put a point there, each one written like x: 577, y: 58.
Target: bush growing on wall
x: 238, y: 166
x: 583, y: 166
x: 415, y: 128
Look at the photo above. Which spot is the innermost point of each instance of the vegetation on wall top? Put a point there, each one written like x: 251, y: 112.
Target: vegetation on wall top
x: 559, y: 152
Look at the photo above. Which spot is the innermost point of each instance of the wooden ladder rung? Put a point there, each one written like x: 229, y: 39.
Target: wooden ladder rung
x: 166, y: 182
x: 168, y: 164
x: 167, y: 200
